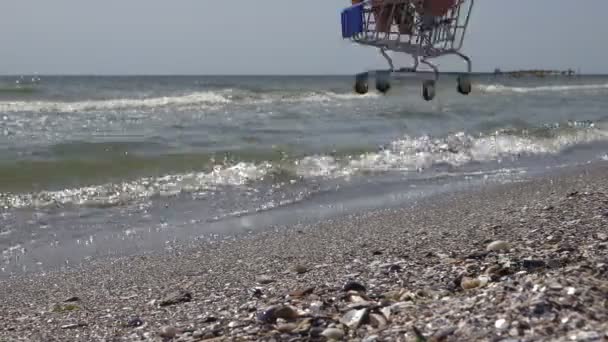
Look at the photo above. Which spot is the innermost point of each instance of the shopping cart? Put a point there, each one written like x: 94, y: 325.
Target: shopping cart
x: 413, y: 28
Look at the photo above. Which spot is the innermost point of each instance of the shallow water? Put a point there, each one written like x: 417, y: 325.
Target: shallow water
x: 94, y: 166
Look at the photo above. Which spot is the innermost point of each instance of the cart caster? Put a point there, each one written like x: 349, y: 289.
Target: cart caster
x: 383, y: 83
x: 464, y: 84
x: 383, y: 86
x: 361, y: 84
x: 428, y: 90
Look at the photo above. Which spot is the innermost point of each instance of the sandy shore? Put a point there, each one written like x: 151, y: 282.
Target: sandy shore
x: 519, y: 262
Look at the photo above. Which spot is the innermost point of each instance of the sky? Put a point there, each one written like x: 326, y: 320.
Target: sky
x: 277, y: 37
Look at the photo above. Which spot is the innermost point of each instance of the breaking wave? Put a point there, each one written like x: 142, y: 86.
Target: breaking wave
x: 498, y: 88
x: 408, y: 154
x: 419, y: 153
x: 121, y: 193
x: 199, y: 100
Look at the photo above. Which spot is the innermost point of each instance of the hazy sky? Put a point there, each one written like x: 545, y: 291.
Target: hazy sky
x: 275, y: 37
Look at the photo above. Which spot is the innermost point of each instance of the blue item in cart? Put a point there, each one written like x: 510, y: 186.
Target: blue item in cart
x: 352, y: 21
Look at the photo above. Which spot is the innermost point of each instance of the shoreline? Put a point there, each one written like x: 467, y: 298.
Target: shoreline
x: 405, y: 270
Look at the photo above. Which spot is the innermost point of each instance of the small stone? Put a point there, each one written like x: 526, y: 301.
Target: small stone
x: 333, y: 333
x: 394, y: 269
x: 477, y: 255
x: 386, y: 312
x: 73, y: 326
x: 359, y: 305
x: 419, y: 336
x: 286, y: 312
x: 555, y: 286
x: 316, y: 306
x: 587, y: 336
x: 302, y: 292
x: 265, y: 280
x: 267, y: 315
x: 135, y: 322
x: 407, y: 296
x: 540, y: 307
x: 271, y: 314
x: 470, y: 283
x: 251, y: 331
x: 209, y: 319
x: 316, y: 331
x: 602, y: 236
x: 501, y: 324
x: 65, y: 308
x: 531, y: 264
x: 392, y: 295
x: 377, y: 321
x: 571, y: 291
x: 286, y: 328
x: 355, y: 298
x: 572, y: 194
x: 354, y: 318
x: 497, y: 246
x: 257, y: 292
x: 168, y: 332
x: 442, y: 334
x: 179, y: 296
x: 483, y: 281
x: 371, y: 338
x: 353, y: 286
x: 303, y: 326
x: 72, y: 299
x: 300, y: 269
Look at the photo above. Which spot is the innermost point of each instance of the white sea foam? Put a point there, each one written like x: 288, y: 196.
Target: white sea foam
x: 498, y: 88
x: 418, y: 153
x: 197, y: 100
x: 410, y: 154
x: 145, y: 188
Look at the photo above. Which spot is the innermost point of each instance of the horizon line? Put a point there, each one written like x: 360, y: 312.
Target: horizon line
x: 269, y: 74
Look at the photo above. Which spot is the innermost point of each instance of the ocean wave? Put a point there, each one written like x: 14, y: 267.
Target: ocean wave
x: 455, y: 150
x: 120, y: 193
x: 499, y: 88
x: 197, y: 100
x: 408, y: 154
x: 330, y: 97
x: 200, y: 98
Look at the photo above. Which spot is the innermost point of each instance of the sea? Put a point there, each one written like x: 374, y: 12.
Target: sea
x: 94, y: 167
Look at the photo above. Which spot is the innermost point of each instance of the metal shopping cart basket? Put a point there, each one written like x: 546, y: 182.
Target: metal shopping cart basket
x: 424, y: 29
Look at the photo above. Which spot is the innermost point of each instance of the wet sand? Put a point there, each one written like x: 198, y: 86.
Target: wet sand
x: 517, y: 262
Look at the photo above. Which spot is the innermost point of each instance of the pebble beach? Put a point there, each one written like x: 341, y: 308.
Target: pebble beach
x: 526, y: 261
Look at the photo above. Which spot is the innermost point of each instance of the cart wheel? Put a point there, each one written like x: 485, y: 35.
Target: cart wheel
x: 428, y: 90
x: 464, y: 84
x: 361, y: 84
x: 383, y: 86
x: 383, y: 83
